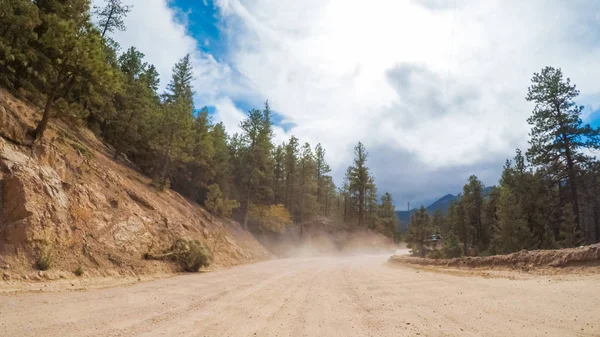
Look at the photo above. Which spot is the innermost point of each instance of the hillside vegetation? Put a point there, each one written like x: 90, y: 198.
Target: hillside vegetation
x: 67, y: 207
x: 93, y: 150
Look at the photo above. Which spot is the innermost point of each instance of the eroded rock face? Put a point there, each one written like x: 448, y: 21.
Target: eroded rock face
x: 34, y: 203
x: 10, y: 127
x: 66, y: 193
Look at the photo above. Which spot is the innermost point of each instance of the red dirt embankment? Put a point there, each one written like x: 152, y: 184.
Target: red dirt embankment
x: 582, y: 256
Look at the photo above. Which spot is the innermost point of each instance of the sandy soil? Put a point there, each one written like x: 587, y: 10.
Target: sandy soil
x: 350, y: 296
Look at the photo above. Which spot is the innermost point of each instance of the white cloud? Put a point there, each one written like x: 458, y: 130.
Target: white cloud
x: 328, y: 66
x: 160, y: 32
x: 342, y: 71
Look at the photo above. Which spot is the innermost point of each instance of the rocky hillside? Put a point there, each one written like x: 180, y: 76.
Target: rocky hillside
x: 68, y: 197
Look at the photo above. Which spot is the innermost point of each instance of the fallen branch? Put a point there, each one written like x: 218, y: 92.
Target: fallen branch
x: 149, y: 256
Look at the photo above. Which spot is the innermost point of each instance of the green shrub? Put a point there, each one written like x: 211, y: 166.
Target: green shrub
x: 78, y: 271
x: 435, y: 254
x: 44, y: 258
x: 191, y: 255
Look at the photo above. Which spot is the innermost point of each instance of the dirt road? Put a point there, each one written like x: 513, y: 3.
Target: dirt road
x: 351, y: 296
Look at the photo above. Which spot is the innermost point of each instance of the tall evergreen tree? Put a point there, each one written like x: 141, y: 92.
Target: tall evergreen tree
x: 136, y: 99
x: 558, y: 134
x: 472, y: 202
x: 387, y: 216
x: 222, y: 160
x: 257, y: 164
x: 322, y: 169
x: 307, y: 186
x: 68, y: 49
x: 18, y: 21
x: 419, y: 231
x: 279, y: 190
x: 360, y: 181
x: 372, y: 208
x: 291, y: 155
x: 177, y: 118
x: 111, y: 16
x: 511, y: 233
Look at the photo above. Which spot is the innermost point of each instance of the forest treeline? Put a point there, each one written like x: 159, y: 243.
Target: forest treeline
x: 547, y: 197
x: 61, y: 58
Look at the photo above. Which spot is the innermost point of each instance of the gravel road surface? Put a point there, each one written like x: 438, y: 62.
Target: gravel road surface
x: 349, y: 296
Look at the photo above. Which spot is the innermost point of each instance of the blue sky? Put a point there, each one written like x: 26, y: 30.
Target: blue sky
x: 202, y: 20
x: 434, y: 89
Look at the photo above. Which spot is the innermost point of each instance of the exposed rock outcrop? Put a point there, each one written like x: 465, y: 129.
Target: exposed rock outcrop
x: 69, y: 196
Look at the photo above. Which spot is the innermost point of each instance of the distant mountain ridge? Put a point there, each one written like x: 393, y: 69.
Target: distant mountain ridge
x: 442, y: 205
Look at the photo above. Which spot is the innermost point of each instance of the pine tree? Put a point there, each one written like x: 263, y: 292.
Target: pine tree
x: 459, y: 223
x: 307, y: 186
x: 222, y: 159
x: 511, y: 233
x: 558, y: 133
x: 257, y: 164
x: 438, y: 223
x: 372, y: 207
x: 18, y: 20
x: 570, y: 235
x: 419, y: 231
x: 472, y: 203
x: 359, y: 183
x: 196, y: 171
x: 217, y: 204
x: 451, y: 248
x: 180, y: 87
x: 387, y: 216
x: 331, y: 197
x: 136, y: 99
x: 68, y: 49
x: 151, y: 77
x: 347, y: 196
x: 291, y: 155
x: 279, y: 187
x: 322, y: 168
x: 177, y: 118
x: 111, y: 16
x: 490, y: 215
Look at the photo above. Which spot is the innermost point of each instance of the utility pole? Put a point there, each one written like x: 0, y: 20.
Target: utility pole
x: 408, y: 210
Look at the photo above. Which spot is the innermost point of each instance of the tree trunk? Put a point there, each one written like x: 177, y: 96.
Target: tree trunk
x: 302, y: 205
x: 120, y: 144
x: 597, y: 222
x: 245, y: 224
x: 163, y: 175
x: 465, y: 240
x: 108, y: 21
x: 39, y: 131
x: 572, y: 182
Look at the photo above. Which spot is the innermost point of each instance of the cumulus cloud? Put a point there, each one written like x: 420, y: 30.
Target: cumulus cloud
x: 434, y: 88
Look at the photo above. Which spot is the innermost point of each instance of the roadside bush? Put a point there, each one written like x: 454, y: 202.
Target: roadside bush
x: 44, y: 258
x: 190, y: 255
x: 273, y: 218
x: 78, y: 271
x: 217, y: 204
x: 435, y: 254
